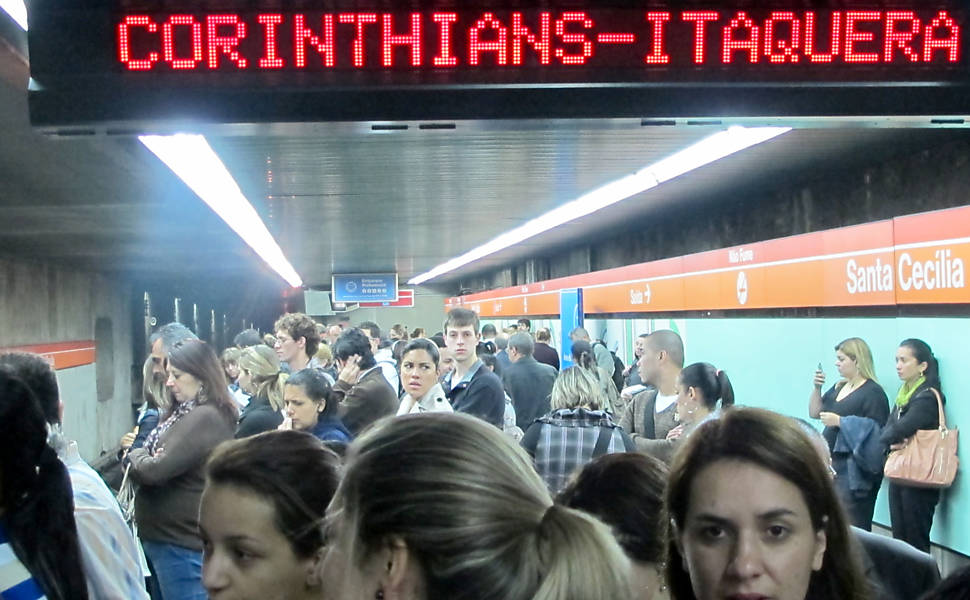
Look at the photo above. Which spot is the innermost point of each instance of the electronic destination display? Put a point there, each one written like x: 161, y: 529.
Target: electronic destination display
x: 341, y: 51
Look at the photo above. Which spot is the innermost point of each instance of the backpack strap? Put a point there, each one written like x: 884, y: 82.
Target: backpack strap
x: 602, y: 442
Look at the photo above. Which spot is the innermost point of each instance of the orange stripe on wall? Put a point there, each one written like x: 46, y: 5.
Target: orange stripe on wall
x: 61, y: 355
x: 916, y: 259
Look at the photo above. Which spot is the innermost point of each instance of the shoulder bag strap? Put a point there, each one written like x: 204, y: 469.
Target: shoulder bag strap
x: 603, y: 441
x: 939, y: 404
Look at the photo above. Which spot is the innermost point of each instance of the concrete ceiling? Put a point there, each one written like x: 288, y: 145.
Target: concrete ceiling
x: 346, y: 198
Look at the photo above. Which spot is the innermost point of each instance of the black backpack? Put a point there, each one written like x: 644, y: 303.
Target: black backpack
x: 618, y: 367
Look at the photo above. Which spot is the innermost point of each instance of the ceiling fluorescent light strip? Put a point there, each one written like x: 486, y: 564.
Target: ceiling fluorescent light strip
x: 17, y: 11
x: 704, y: 152
x: 193, y: 160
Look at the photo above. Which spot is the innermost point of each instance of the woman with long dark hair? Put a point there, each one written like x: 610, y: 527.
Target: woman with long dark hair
x: 911, y: 508
x: 36, y: 507
x: 169, y: 467
x: 754, y: 514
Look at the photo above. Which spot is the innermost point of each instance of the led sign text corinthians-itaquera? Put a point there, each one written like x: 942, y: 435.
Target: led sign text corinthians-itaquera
x: 667, y: 45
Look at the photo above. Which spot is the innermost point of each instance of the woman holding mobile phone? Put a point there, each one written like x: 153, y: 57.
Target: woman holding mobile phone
x: 858, y: 396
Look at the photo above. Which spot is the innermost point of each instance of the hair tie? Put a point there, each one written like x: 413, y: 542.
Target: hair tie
x: 545, y: 516
x: 717, y: 373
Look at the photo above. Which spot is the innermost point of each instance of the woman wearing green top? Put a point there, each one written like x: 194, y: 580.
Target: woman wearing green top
x: 911, y: 508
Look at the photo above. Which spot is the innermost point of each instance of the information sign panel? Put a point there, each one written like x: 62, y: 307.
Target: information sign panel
x: 365, y: 287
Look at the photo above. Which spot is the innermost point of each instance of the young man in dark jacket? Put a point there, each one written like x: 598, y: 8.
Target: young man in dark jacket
x: 470, y: 387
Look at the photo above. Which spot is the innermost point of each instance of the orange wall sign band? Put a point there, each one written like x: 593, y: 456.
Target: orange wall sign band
x: 61, y: 355
x: 917, y: 259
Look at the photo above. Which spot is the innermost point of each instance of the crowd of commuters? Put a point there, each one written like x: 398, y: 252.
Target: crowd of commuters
x: 466, y: 465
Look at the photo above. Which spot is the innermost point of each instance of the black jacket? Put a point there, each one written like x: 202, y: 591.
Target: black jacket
x: 921, y: 412
x: 529, y: 384
x: 257, y: 417
x: 896, y: 569
x: 482, y: 396
x: 546, y: 354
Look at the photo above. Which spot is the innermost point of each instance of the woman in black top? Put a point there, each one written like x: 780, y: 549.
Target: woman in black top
x: 856, y: 394
x: 260, y: 376
x: 911, y: 508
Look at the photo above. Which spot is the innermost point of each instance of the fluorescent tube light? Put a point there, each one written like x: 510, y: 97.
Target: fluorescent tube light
x: 17, y: 11
x: 706, y: 151
x: 193, y: 160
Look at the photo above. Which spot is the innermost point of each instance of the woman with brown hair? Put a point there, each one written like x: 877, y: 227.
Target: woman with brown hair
x: 261, y: 516
x: 169, y: 467
x: 754, y: 515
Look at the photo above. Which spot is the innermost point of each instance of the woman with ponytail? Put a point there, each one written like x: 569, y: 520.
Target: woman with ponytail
x: 703, y: 392
x: 439, y: 505
x: 699, y: 389
x: 260, y: 377
x: 911, y: 508
x: 583, y: 357
x: 36, y: 508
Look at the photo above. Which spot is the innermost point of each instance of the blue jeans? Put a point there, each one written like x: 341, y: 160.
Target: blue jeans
x: 178, y: 569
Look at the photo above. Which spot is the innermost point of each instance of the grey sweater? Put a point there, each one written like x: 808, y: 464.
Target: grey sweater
x: 171, y: 482
x: 640, y: 414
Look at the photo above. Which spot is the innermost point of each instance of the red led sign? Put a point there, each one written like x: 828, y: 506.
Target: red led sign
x: 126, y: 63
x: 652, y: 42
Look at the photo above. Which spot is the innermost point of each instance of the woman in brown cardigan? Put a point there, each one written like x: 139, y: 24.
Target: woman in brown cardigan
x: 169, y: 468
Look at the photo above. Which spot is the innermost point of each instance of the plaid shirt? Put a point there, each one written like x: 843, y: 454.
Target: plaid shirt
x: 564, y: 440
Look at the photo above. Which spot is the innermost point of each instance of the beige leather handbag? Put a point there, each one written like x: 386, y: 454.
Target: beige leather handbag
x: 928, y: 458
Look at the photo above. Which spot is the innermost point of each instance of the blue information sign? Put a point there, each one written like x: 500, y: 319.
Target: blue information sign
x: 571, y: 317
x: 365, y: 287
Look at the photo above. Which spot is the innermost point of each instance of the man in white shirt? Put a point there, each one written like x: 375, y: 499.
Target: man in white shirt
x: 109, y: 552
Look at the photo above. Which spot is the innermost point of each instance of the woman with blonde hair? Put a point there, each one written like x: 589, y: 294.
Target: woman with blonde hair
x: 583, y: 356
x: 853, y: 411
x: 260, y: 377
x: 441, y: 505
x: 576, y: 431
x: 156, y: 402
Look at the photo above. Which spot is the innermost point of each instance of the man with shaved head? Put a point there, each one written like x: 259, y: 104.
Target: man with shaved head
x: 650, y: 415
